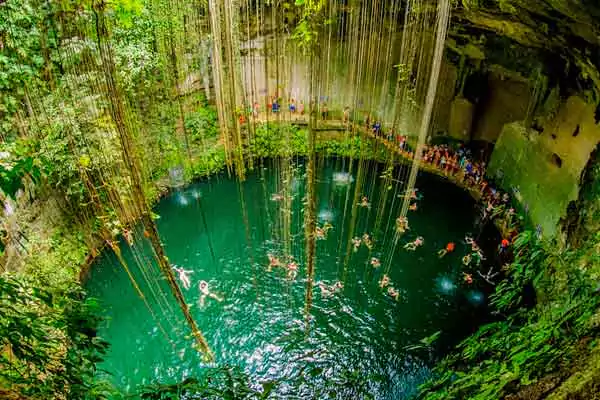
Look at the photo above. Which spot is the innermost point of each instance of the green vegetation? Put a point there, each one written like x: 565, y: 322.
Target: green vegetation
x: 291, y: 140
x: 63, y: 173
x: 547, y: 323
x: 49, y: 342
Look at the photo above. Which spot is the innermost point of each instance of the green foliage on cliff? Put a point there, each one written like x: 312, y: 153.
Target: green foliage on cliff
x: 49, y: 343
x: 282, y: 140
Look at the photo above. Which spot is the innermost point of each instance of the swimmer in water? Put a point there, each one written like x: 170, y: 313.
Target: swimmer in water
x: 128, y: 236
x: 375, y: 262
x: 320, y: 233
x: 325, y: 289
x: 393, y: 293
x: 473, y: 243
x: 276, y: 197
x: 410, y: 194
x: 366, y: 239
x: 477, y: 256
x: 183, y: 276
x: 204, y: 291
x: 449, y: 249
x: 401, y: 224
x: 503, y: 246
x: 274, y: 262
x: 385, y: 281
x: 292, y: 268
x: 412, y: 246
x: 468, y: 278
x: 466, y: 260
x: 413, y: 207
x: 356, y: 243
x: 328, y: 290
x: 364, y: 202
x: 489, y: 276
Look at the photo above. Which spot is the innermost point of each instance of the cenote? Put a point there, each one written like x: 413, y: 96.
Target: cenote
x: 358, y: 338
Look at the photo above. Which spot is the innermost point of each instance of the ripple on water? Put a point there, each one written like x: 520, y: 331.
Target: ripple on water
x: 342, y: 178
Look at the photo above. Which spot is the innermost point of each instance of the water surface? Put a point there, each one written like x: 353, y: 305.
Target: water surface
x: 359, y: 337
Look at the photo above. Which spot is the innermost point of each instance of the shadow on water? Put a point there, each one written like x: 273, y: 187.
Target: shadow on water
x: 361, y: 340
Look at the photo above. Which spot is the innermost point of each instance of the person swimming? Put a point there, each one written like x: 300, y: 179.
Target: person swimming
x: 449, y: 249
x: 473, y: 243
x: 183, y: 276
x: 468, y: 278
x: 277, y: 197
x: 356, y: 241
x: 274, y: 262
x: 329, y: 290
x: 364, y: 202
x: 413, y: 207
x: 411, y: 194
x: 402, y: 224
x: 366, y: 239
x: 320, y: 233
x: 393, y: 293
x: 385, y: 281
x: 128, y: 236
x: 375, y: 262
x: 477, y: 256
x: 503, y: 245
x: 292, y: 270
x: 489, y: 276
x: 466, y: 260
x: 412, y: 246
x: 325, y: 289
x: 204, y: 292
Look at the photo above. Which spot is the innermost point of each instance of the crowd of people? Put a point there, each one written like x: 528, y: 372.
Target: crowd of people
x: 184, y: 277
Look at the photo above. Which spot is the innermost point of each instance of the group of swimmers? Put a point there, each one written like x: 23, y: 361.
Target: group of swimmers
x: 291, y: 266
x: 202, y: 285
x: 365, y: 239
x: 385, y: 282
x: 322, y: 231
x: 330, y: 290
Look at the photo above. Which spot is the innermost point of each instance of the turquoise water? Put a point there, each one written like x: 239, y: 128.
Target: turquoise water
x: 359, y: 338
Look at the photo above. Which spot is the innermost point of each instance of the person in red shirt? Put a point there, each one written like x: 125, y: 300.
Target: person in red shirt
x: 449, y: 249
x: 504, y: 245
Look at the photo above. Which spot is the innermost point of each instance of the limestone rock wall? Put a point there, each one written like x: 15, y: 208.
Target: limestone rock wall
x: 461, y: 119
x: 444, y: 97
x: 545, y: 168
x: 507, y: 101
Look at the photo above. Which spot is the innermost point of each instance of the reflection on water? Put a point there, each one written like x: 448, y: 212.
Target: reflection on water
x: 326, y: 215
x: 445, y: 285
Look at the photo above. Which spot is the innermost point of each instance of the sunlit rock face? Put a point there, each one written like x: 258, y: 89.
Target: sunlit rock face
x: 544, y: 167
